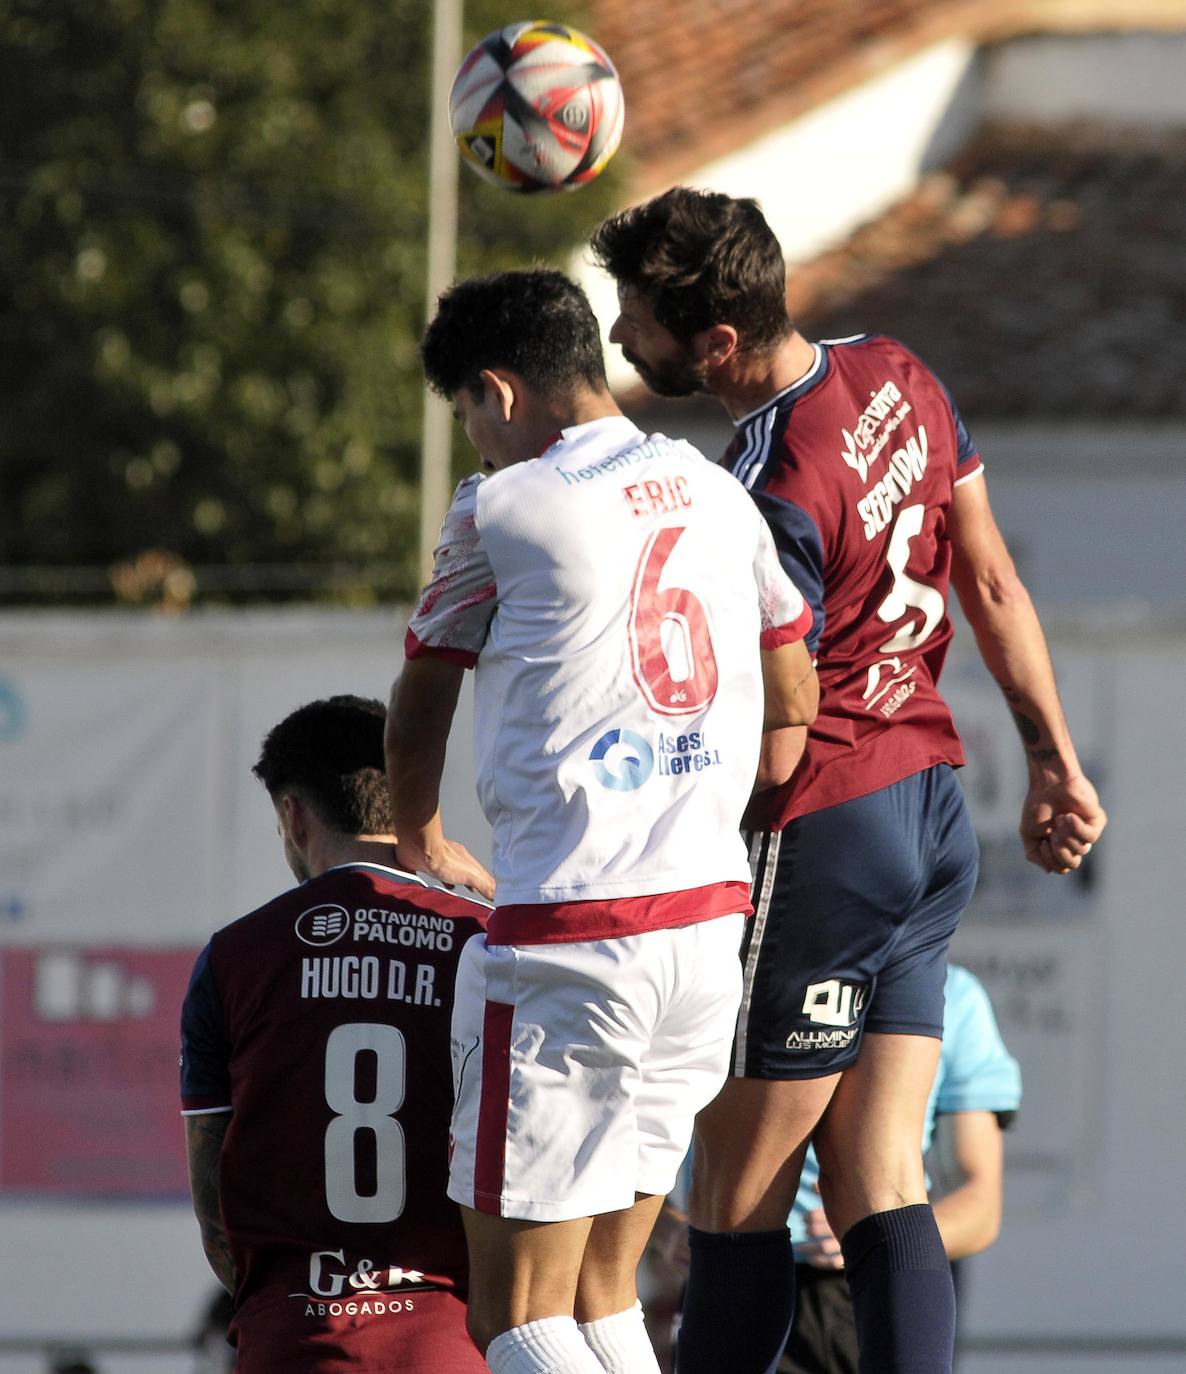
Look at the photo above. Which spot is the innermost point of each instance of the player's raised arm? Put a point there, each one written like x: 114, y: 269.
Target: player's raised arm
x: 1061, y: 816
x: 419, y: 718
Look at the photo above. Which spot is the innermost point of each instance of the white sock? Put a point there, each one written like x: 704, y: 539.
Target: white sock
x: 551, y: 1345
x: 621, y: 1343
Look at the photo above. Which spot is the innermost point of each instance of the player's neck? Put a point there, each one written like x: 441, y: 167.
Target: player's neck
x: 333, y: 850
x: 583, y: 407
x: 542, y: 419
x: 748, y: 381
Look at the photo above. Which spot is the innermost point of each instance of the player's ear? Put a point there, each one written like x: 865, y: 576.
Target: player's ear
x: 502, y: 386
x: 715, y: 345
x: 290, y: 814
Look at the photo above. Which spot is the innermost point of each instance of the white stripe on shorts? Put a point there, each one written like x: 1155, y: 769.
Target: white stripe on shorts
x: 762, y: 874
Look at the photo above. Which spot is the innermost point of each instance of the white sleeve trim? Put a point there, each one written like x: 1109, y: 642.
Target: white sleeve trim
x: 977, y: 471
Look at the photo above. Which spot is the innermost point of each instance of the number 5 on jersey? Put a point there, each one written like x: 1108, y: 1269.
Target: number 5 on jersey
x: 906, y: 594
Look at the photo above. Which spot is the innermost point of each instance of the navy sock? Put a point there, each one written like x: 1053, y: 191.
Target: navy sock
x: 738, y: 1303
x: 902, y: 1295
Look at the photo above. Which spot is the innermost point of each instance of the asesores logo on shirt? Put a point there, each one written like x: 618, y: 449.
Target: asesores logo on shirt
x: 622, y: 760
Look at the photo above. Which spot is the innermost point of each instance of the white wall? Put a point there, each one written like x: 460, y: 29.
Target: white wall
x: 1089, y: 1243
x: 1096, y: 1170
x: 1104, y: 78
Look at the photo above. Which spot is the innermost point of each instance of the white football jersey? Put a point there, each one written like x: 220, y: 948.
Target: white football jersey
x: 614, y: 593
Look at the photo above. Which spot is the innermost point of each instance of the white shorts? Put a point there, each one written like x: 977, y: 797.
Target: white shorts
x: 578, y: 1069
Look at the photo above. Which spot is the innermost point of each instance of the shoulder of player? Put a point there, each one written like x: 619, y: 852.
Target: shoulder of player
x: 721, y: 496
x: 430, y: 900
x: 594, y: 466
x: 467, y: 488
x: 892, y: 359
x: 886, y: 352
x: 852, y: 347
x: 464, y: 503
x: 350, y: 884
x: 246, y: 926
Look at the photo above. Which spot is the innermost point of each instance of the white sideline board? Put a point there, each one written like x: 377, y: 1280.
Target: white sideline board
x: 129, y: 818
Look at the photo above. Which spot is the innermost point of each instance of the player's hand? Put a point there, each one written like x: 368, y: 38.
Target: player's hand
x: 821, y: 1248
x: 1060, y: 821
x: 450, y: 863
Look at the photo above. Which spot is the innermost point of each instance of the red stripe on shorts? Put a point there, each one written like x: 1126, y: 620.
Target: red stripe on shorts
x: 491, y: 1147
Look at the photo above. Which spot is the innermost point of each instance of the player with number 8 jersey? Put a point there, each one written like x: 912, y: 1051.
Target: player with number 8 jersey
x: 315, y: 1080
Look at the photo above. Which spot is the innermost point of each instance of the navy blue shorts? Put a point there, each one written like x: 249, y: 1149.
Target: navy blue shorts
x: 854, y: 907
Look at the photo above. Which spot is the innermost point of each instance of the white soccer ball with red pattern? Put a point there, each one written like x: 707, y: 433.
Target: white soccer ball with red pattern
x: 537, y: 106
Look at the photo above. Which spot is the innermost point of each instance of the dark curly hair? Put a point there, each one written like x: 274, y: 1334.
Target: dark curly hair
x: 700, y: 258
x: 534, y: 322
x: 330, y: 753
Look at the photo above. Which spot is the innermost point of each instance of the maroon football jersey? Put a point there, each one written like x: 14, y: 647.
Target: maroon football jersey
x: 321, y: 1021
x: 854, y: 468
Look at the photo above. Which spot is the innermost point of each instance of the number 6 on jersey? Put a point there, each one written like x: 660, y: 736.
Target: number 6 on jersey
x: 670, y: 644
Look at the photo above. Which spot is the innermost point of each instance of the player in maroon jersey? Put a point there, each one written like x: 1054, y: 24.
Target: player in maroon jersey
x: 864, y: 860
x: 316, y: 1083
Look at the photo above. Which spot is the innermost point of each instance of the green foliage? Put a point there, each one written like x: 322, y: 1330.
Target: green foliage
x: 212, y: 265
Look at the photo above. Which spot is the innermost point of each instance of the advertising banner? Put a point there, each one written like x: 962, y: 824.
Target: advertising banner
x: 88, y: 1062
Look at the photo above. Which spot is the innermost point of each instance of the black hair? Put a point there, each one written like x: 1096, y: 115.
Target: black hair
x: 700, y: 258
x: 536, y: 323
x: 330, y: 753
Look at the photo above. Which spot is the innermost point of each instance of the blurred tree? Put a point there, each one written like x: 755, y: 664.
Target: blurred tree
x: 212, y: 261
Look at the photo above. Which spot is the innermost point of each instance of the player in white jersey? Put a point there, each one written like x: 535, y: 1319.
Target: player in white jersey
x: 633, y: 633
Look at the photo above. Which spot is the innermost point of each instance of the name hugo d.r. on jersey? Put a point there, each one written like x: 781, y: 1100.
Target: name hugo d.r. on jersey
x: 372, y: 977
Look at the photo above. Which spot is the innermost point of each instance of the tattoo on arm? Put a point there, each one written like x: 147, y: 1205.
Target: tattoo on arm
x: 1031, y: 738
x: 807, y: 676
x: 204, y: 1137
x: 1029, y: 732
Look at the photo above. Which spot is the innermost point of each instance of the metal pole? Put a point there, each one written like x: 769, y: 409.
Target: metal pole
x: 437, y: 432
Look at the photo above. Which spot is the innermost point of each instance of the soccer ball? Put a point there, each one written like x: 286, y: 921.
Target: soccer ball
x: 537, y: 106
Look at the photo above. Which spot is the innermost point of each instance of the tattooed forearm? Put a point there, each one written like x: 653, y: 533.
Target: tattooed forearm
x: 217, y: 1248
x: 204, y: 1136
x: 1029, y: 732
x: 1031, y: 738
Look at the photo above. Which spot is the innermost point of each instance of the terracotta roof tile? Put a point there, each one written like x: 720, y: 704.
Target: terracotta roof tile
x: 1042, y: 275
x: 704, y: 77
x: 701, y: 74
